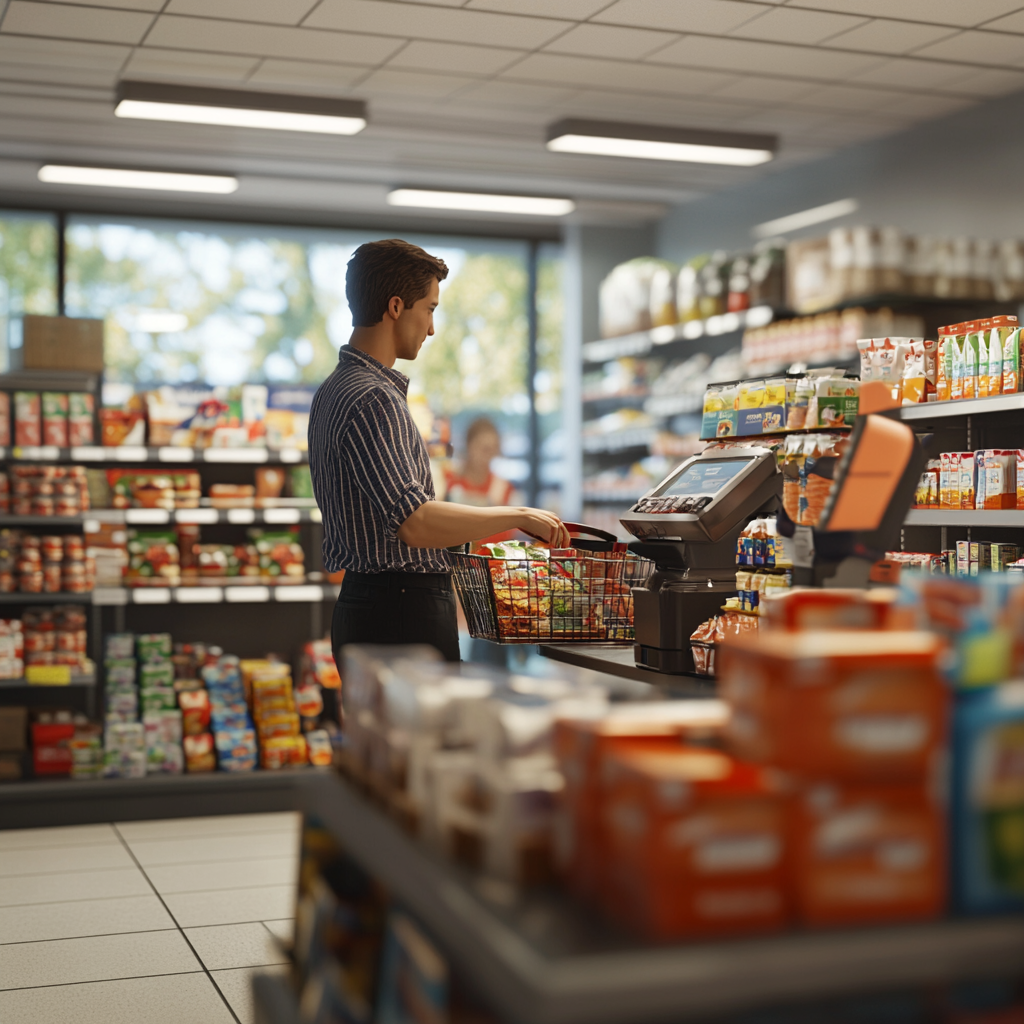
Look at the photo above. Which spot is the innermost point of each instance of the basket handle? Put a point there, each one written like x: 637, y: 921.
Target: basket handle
x: 592, y: 530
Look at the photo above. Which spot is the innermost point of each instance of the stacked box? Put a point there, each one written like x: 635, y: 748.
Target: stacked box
x: 233, y: 732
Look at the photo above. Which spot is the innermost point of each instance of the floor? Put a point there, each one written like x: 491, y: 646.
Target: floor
x: 156, y: 922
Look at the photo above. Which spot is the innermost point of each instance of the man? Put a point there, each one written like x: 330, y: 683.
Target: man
x: 371, y: 473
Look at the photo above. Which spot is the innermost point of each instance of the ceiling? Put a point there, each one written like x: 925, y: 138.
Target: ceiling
x: 460, y: 91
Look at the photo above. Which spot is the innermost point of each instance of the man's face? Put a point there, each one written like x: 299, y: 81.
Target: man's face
x: 416, y: 323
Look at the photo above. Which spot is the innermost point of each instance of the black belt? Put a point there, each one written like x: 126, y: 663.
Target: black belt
x: 433, y: 580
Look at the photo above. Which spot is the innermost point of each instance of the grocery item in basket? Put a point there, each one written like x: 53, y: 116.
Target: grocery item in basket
x: 842, y: 705
x: 869, y: 854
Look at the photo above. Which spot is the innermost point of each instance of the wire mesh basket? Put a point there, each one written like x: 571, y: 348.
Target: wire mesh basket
x: 576, y: 594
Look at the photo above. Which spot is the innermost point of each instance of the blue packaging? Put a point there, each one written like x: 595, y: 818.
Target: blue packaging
x: 987, y: 819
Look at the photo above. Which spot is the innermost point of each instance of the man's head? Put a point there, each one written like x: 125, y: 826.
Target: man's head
x: 395, y: 281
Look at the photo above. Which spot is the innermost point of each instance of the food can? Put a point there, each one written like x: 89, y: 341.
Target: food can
x: 51, y: 577
x: 43, y: 507
x: 53, y: 548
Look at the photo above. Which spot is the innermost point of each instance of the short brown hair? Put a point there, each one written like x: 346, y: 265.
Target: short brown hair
x: 481, y: 425
x: 380, y: 270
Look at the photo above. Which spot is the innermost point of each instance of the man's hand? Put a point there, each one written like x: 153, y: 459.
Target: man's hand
x: 441, y: 524
x: 545, y: 527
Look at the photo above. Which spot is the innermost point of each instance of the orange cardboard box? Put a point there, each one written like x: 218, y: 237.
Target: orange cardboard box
x: 839, y: 608
x: 696, y: 844
x: 581, y: 748
x: 836, y: 704
x: 868, y: 854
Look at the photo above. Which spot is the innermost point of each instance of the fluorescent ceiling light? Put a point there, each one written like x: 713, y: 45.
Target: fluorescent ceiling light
x: 239, y: 108
x: 805, y: 218
x: 159, y: 181
x: 481, y: 202
x: 656, y: 142
x: 160, y: 321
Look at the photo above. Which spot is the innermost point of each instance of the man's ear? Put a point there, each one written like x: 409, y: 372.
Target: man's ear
x: 395, y: 307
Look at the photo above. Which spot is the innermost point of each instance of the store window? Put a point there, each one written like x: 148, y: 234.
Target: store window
x: 28, y: 273
x: 224, y: 304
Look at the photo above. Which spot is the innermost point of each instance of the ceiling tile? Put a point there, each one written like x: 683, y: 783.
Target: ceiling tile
x: 911, y: 73
x: 770, y: 58
x: 681, y: 15
x: 1011, y: 23
x: 611, y: 41
x: 128, y: 5
x: 847, y: 98
x: 995, y: 82
x: 453, y: 26
x: 473, y: 60
x: 764, y: 90
x: 694, y: 113
x: 412, y: 83
x: 101, y: 25
x: 48, y: 74
x: 504, y: 94
x: 305, y: 75
x: 980, y: 47
x: 280, y: 12
x: 573, y: 9
x: 924, y: 107
x: 268, y: 41
x: 148, y: 62
x: 883, y: 35
x: 609, y: 74
x: 784, y: 25
x: 965, y: 13
x: 60, y: 53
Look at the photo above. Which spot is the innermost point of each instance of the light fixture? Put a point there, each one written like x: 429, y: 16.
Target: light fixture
x: 656, y: 142
x: 805, y: 218
x: 116, y: 177
x: 481, y: 202
x: 237, y: 108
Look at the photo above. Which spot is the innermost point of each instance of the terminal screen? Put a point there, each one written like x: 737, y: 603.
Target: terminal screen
x: 705, y: 477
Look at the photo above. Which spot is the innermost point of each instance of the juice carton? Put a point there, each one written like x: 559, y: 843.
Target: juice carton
x: 582, y: 747
x: 943, y: 366
x: 981, y: 343
x: 970, y: 359
x: 1011, y: 361
x: 1002, y: 555
x: 1020, y: 477
x: 1000, y: 480
x: 979, y: 493
x: 696, y: 843
x: 945, y: 481
x: 987, y: 819
x: 1001, y: 329
x: 829, y: 704
x: 968, y: 479
x: 963, y: 558
x: 980, y: 557
x: 956, y: 339
x: 868, y: 854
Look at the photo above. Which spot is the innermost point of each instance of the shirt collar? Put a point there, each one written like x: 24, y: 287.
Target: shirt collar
x: 394, y: 376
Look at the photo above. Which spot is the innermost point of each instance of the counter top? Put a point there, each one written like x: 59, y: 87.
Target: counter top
x: 618, y: 660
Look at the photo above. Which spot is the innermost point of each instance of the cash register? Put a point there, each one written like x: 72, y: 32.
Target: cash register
x: 688, y: 526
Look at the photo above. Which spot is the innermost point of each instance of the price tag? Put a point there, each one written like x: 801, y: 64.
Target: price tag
x: 48, y: 675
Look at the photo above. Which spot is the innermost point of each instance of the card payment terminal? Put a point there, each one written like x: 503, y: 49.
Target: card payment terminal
x: 688, y: 525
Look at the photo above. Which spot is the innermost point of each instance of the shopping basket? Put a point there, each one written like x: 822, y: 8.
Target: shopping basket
x: 576, y: 594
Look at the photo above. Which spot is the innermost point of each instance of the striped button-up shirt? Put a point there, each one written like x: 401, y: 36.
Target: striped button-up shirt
x: 370, y: 468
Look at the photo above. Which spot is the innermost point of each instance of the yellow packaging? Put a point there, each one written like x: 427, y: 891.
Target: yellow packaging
x: 752, y: 395
x: 778, y: 391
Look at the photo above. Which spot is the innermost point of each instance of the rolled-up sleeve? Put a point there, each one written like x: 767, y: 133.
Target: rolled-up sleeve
x: 382, y: 446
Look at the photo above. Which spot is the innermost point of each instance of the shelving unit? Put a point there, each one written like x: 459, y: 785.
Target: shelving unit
x: 137, y: 454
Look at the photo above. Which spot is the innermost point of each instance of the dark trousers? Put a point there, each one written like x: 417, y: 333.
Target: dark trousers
x: 396, y: 608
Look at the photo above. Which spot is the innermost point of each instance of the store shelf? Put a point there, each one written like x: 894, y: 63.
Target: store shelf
x: 281, y: 516
x: 24, y: 684
x: 169, y: 455
x: 623, y: 440
x: 674, y: 405
x: 643, y: 342
x: 17, y: 597
x: 226, y: 593
x: 620, y: 660
x: 965, y: 517
x: 963, y: 407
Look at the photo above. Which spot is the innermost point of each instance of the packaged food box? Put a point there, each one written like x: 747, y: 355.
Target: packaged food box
x: 720, y: 417
x: 987, y: 819
x: 832, y: 704
x: 1002, y: 555
x: 51, y: 747
x: 153, y: 557
x: 581, y: 748
x: 869, y: 854
x: 287, y: 416
x: 5, y: 418
x: 967, y: 479
x: 195, y: 711
x: 199, y: 753
x: 696, y: 843
x: 321, y: 752
x: 28, y: 423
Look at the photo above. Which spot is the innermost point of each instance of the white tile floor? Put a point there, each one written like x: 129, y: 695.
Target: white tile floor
x: 157, y: 922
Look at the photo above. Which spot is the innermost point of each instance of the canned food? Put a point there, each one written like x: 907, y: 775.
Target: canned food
x: 7, y: 582
x: 29, y: 566
x: 53, y: 548
x: 40, y: 658
x: 23, y: 487
x: 30, y: 543
x: 51, y: 577
x: 43, y: 506
x: 40, y: 640
x: 67, y: 507
x: 22, y: 506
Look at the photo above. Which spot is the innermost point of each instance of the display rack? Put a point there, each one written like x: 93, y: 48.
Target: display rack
x: 137, y: 454
x: 279, y: 515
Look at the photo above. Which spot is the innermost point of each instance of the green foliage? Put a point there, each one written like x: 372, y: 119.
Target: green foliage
x: 477, y: 357
x: 28, y: 264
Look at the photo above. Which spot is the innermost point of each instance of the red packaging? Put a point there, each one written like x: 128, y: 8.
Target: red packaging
x: 868, y: 854
x: 696, y: 844
x: 51, y: 753
x: 199, y: 753
x: 195, y: 711
x: 55, y: 431
x: 5, y: 419
x: 28, y: 426
x: 832, y: 704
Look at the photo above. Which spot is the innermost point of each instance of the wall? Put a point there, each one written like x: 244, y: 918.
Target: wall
x: 957, y: 175
x: 590, y: 253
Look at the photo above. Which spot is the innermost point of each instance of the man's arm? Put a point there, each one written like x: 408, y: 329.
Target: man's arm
x: 439, y: 524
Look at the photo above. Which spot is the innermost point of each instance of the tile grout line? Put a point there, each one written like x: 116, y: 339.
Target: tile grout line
x: 181, y: 930
x: 101, y: 981
x: 75, y: 938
